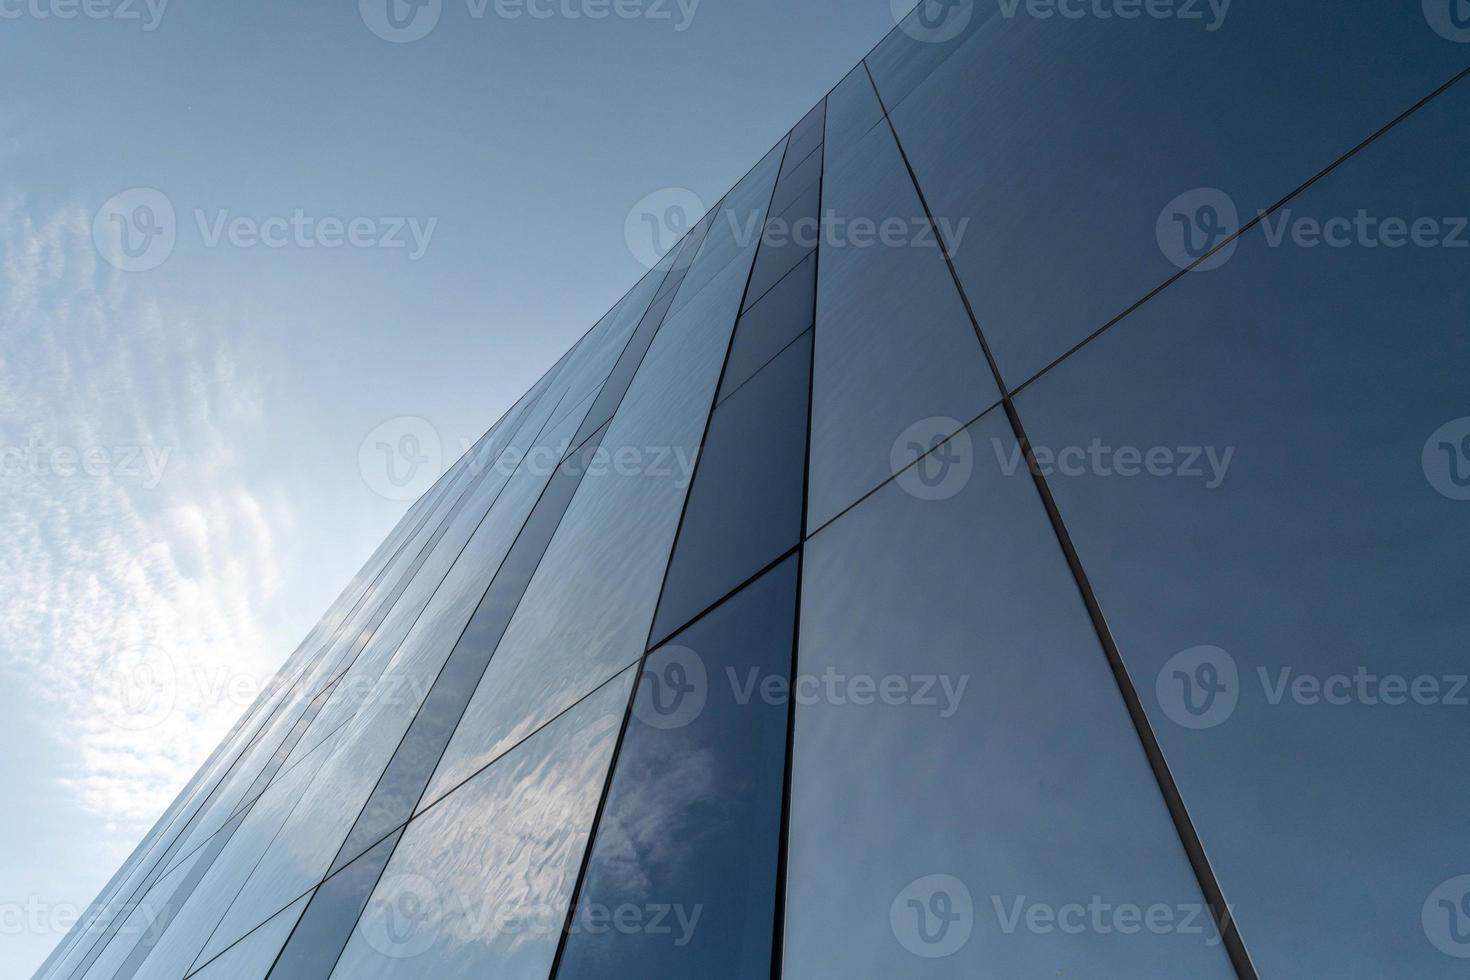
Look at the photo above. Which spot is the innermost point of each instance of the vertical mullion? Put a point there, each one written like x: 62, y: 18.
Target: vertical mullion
x: 612, y: 765
x: 778, y: 933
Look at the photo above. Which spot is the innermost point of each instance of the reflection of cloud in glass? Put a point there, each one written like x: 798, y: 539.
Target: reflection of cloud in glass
x: 668, y: 782
x: 587, y: 610
x: 499, y: 854
x: 328, y: 804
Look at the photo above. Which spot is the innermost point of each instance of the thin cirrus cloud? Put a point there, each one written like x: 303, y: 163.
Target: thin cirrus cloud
x: 139, y: 550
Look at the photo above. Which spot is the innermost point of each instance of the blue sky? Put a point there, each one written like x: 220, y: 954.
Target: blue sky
x: 370, y: 238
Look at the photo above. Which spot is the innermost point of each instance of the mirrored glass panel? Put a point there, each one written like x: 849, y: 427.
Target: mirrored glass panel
x: 897, y: 359
x: 587, y: 611
x: 744, y: 508
x: 220, y: 881
x: 852, y: 109
x: 1265, y: 470
x: 480, y: 883
x: 251, y: 957
x: 1094, y: 156
x: 773, y: 322
x: 969, y: 797
x: 682, y: 877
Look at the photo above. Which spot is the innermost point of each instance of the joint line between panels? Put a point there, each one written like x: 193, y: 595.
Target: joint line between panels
x: 612, y: 765
x: 1189, y: 837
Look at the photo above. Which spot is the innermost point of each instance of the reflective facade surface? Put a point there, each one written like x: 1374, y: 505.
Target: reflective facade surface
x: 1020, y: 531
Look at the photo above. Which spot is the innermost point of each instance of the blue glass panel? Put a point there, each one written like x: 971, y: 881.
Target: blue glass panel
x: 586, y: 613
x: 1063, y: 141
x: 480, y: 883
x: 1270, y: 501
x: 964, y: 763
x: 744, y: 508
x: 689, y: 835
x: 734, y: 230
x: 852, y: 109
x: 218, y: 883
x: 251, y: 957
x: 335, y: 907
x: 895, y: 349
x: 774, y: 321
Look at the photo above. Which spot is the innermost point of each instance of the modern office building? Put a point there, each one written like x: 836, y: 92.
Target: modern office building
x: 1052, y: 564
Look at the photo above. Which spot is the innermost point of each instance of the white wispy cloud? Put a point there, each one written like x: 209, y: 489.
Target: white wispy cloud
x: 138, y: 549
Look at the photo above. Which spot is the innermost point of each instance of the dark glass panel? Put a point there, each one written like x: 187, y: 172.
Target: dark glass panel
x: 1267, y: 488
x: 689, y: 835
x: 480, y: 884
x: 897, y: 358
x: 775, y: 320
x: 966, y: 776
x: 744, y: 509
x: 1065, y: 141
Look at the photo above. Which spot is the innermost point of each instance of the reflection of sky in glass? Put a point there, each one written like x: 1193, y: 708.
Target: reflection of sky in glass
x: 480, y: 883
x: 1062, y: 200
x: 893, y: 342
x: 196, y: 919
x: 587, y: 610
x: 251, y: 957
x: 689, y: 834
x: 138, y: 925
x: 1009, y: 766
x: 300, y: 854
x: 1325, y: 550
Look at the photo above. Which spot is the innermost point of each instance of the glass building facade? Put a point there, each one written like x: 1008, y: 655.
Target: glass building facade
x: 1020, y: 531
